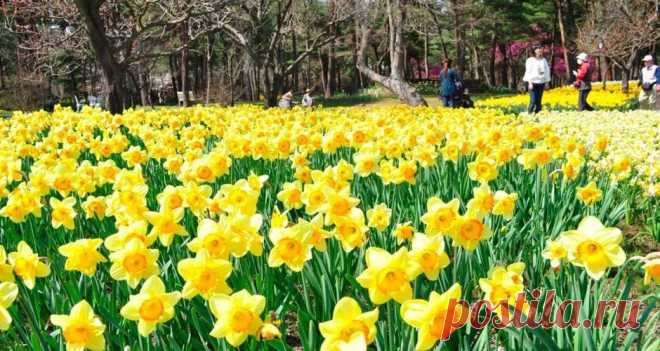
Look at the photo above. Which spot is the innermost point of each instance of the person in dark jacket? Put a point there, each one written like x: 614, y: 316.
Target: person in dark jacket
x: 583, y: 81
x: 448, y: 80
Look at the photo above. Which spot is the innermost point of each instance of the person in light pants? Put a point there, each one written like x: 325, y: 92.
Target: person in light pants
x: 649, y: 82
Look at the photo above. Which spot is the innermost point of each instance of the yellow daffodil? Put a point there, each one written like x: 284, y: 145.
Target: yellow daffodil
x: 339, y: 205
x: 27, y: 265
x: 152, y: 306
x: 319, y: 235
x: 63, y: 212
x: 81, y: 329
x: 468, y: 231
x: 555, y: 251
x: 388, y: 276
x: 434, y: 319
x: 379, y: 217
x: 171, y: 198
x: 589, y: 194
x: 197, y: 198
x: 134, y: 263
x: 291, y: 246
x: 269, y: 331
x: 652, y: 271
x: 244, y: 233
x: 213, y: 237
x: 594, y: 247
x: 256, y: 182
x: 237, y: 315
x: 403, y: 232
x: 6, y: 270
x: 291, y: 195
x: 351, y: 230
x: 82, y: 255
x: 166, y: 225
x: 482, y: 202
x: 94, y: 207
x: 204, y: 275
x: 366, y: 163
x: 440, y: 217
x: 314, y: 197
x: 429, y: 254
x: 504, y: 204
x: 502, y: 288
x: 240, y: 197
x: 347, y: 320
x: 482, y: 170
x: 135, y: 230
x: 8, y: 294
x: 408, y: 171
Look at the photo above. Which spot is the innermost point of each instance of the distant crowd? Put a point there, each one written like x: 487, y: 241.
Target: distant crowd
x: 537, y: 75
x: 452, y: 92
x: 286, y: 101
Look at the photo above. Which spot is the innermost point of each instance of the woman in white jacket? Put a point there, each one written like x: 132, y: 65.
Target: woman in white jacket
x: 537, y: 73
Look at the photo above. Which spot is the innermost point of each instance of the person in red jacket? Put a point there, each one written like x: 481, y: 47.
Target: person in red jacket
x: 583, y: 81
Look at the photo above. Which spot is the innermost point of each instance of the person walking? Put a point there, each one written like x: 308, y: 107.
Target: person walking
x: 537, y: 74
x: 307, y: 100
x: 448, y: 80
x: 583, y: 81
x: 649, y: 81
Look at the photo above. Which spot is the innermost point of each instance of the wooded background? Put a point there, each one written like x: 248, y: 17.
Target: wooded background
x: 140, y: 52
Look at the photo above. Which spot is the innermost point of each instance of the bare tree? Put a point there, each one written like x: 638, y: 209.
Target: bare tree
x: 395, y: 82
x: 620, y: 31
x: 259, y: 27
x: 121, y: 34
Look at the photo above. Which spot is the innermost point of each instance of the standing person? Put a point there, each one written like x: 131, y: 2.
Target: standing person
x: 285, y: 101
x: 649, y: 81
x: 307, y: 100
x: 448, y: 79
x: 583, y: 81
x: 537, y: 74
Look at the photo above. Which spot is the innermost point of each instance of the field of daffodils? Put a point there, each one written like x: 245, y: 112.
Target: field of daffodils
x: 332, y: 229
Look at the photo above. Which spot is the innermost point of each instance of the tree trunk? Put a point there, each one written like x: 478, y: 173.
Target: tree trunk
x: 2, y: 76
x: 231, y: 80
x: 442, y: 42
x: 92, y: 81
x: 625, y: 77
x: 503, y: 66
x: 209, y: 58
x: 184, y: 64
x: 395, y: 82
x: 338, y: 76
x: 562, y: 35
x: 324, y: 71
x: 173, y: 75
x: 459, y: 36
x: 104, y: 52
x: 294, y: 73
x: 605, y: 71
x: 355, y: 79
x: 331, y: 82
x: 476, y: 63
x: 626, y: 70
x: 426, y: 53
x: 272, y: 84
x: 493, y: 49
x: 144, y: 89
x: 308, y: 66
